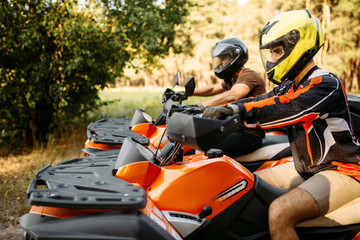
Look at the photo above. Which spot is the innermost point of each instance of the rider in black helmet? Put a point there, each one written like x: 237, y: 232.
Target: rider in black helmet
x: 229, y: 57
x: 231, y: 54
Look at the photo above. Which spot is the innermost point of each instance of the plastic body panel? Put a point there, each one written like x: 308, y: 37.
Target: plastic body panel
x: 199, y: 181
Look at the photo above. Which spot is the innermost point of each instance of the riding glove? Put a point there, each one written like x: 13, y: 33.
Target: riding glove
x: 199, y: 105
x: 220, y: 112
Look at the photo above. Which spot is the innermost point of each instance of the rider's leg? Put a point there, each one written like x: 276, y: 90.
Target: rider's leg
x: 283, y: 176
x: 331, y: 190
x: 282, y: 214
x: 289, y: 209
x: 318, y: 195
x: 268, y: 176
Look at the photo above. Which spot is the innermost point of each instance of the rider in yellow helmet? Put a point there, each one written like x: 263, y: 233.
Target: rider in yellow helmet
x: 297, y: 38
x: 312, y: 104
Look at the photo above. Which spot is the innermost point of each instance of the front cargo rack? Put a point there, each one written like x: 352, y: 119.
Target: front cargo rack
x: 86, y: 183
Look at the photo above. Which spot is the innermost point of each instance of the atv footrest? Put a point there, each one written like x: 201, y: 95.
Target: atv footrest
x: 86, y: 183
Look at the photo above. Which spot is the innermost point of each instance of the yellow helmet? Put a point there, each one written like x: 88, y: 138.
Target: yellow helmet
x: 288, y: 42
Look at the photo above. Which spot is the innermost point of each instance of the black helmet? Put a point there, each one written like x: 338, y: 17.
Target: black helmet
x: 230, y: 55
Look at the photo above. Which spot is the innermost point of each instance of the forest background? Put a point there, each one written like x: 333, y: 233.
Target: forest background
x: 56, y: 55
x: 212, y: 21
x: 189, y: 39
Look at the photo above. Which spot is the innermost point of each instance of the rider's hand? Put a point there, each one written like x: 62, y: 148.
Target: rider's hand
x: 220, y: 112
x: 198, y: 105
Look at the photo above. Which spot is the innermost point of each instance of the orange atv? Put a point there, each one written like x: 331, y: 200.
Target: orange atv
x: 138, y: 193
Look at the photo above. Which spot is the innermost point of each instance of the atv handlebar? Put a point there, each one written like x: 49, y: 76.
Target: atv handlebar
x: 170, y: 107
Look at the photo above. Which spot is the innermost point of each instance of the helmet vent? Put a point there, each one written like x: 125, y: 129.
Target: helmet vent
x: 308, y: 12
x: 267, y: 27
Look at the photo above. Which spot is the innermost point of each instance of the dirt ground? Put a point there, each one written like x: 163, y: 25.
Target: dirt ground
x: 10, y: 232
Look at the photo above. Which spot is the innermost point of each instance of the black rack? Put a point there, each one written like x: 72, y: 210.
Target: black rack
x: 113, y: 131
x: 86, y: 183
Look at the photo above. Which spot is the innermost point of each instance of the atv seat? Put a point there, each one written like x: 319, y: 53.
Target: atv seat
x: 273, y: 147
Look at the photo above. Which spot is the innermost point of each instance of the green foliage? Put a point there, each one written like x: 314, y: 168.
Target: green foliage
x: 344, y: 41
x: 56, y: 55
x: 213, y: 20
x: 209, y: 22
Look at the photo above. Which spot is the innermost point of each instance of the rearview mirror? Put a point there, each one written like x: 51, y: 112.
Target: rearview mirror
x: 190, y: 86
x: 177, y: 78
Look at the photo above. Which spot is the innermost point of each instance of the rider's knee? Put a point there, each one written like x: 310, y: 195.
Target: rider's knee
x: 276, y: 211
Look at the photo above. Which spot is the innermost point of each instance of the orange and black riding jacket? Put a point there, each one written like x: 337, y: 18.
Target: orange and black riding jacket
x: 317, y: 117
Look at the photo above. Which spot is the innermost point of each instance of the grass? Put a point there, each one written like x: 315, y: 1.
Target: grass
x: 148, y: 100
x: 129, y: 100
x: 16, y: 172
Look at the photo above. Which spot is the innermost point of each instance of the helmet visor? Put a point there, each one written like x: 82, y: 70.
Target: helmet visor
x: 273, y: 53
x: 272, y: 57
x: 222, y: 61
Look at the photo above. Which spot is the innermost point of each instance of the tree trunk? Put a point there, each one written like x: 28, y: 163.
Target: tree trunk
x: 325, y: 23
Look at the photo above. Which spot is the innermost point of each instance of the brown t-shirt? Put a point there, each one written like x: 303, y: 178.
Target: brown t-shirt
x: 250, y: 78
x: 257, y: 87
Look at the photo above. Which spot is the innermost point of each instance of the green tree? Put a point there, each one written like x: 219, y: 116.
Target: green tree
x: 343, y: 54
x: 56, y: 55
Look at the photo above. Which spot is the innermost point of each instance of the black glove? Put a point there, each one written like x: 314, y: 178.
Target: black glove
x: 167, y: 95
x: 179, y: 96
x: 198, y: 105
x: 220, y: 112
